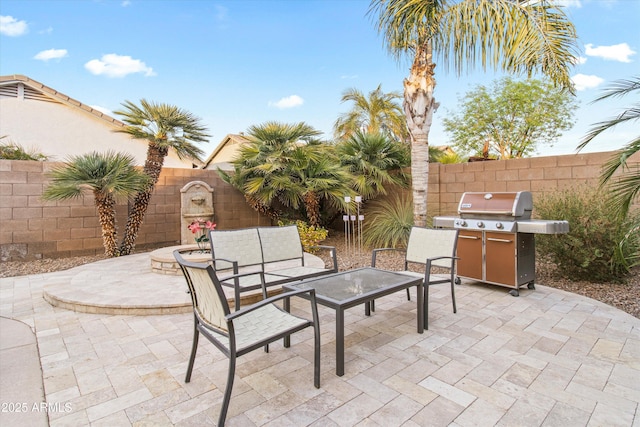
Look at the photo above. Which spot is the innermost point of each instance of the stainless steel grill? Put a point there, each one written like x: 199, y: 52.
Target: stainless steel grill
x: 496, y: 239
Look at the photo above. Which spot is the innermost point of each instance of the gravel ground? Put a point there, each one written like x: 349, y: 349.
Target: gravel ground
x: 625, y: 296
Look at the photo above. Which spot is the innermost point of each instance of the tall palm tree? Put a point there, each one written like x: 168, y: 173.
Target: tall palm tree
x: 377, y: 113
x: 375, y: 161
x: 626, y: 189
x: 288, y: 164
x: 516, y: 36
x: 165, y: 127
x: 108, y: 176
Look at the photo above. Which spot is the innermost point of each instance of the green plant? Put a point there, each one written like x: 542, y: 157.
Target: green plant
x: 626, y: 187
x: 165, y: 128
x: 510, y: 118
x: 600, y: 246
x: 286, y: 167
x: 377, y: 112
x: 450, y: 158
x: 375, y: 161
x: 107, y: 176
x: 310, y: 235
x: 12, y: 151
x: 388, y: 222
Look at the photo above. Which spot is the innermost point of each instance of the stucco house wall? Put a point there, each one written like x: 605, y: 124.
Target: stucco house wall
x: 37, y: 117
x: 225, y: 152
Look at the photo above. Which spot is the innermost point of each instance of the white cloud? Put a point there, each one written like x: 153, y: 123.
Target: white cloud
x: 10, y: 26
x: 46, y: 55
x: 580, y: 60
x: 288, y: 102
x: 112, y: 65
x: 125, y: 3
x: 103, y: 110
x: 351, y: 77
x: 617, y: 52
x: 583, y: 81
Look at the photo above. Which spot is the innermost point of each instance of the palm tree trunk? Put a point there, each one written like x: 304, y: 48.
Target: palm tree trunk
x: 419, y: 106
x: 107, y: 217
x: 260, y: 207
x: 312, y: 206
x: 152, y: 167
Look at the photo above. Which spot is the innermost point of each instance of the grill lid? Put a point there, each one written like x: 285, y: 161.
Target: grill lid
x: 507, y: 206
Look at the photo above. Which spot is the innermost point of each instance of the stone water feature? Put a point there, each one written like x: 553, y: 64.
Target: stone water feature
x: 196, y: 203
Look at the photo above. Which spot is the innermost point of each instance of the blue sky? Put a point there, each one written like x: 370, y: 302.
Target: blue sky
x: 240, y: 63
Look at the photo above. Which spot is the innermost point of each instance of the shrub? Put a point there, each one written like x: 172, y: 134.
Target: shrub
x: 600, y: 246
x: 309, y: 235
x: 13, y: 151
x: 388, y: 223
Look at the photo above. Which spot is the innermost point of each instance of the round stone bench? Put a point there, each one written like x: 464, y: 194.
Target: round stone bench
x: 163, y: 261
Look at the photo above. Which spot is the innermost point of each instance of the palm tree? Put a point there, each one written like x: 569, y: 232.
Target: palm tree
x: 287, y: 164
x: 324, y: 182
x: 375, y: 161
x: 378, y: 113
x: 108, y: 176
x: 626, y: 189
x: 515, y: 36
x: 165, y: 127
x: 260, y: 169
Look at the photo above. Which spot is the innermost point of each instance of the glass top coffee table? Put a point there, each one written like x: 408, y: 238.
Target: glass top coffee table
x: 347, y: 289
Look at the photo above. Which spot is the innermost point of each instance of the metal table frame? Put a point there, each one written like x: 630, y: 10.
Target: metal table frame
x: 323, y: 297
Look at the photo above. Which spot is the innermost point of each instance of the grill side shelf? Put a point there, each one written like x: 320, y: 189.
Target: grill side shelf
x: 543, y: 227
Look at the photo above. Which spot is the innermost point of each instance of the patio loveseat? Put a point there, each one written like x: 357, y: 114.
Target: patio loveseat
x: 275, y: 251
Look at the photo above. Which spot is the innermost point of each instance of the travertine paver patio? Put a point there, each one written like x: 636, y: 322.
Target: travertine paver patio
x: 547, y: 358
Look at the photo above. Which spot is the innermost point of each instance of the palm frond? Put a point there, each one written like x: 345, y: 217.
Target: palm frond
x: 519, y: 37
x: 106, y: 173
x: 165, y: 125
x: 618, y: 88
x: 515, y: 36
x: 626, y: 188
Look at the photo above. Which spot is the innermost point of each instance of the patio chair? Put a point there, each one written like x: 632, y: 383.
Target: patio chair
x: 430, y: 247
x: 242, y: 331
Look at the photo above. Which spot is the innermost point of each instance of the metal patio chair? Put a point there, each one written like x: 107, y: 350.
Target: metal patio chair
x: 431, y: 247
x: 242, y: 331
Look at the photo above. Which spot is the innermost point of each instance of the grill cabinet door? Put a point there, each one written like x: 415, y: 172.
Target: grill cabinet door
x: 470, y: 253
x: 501, y: 258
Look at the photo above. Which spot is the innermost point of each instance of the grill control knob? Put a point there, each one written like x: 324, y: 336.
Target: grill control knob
x: 480, y: 224
x: 499, y: 226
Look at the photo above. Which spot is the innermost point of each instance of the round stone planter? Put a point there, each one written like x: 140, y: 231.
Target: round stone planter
x: 163, y: 261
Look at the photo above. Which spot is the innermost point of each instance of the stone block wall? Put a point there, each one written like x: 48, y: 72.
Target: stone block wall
x: 31, y: 228
x: 539, y: 175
